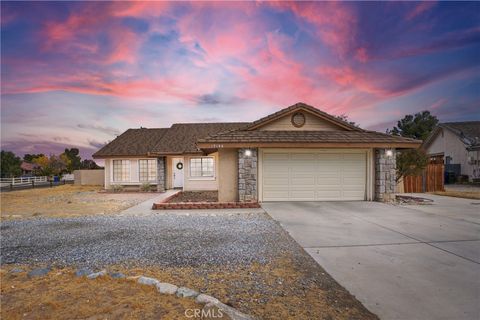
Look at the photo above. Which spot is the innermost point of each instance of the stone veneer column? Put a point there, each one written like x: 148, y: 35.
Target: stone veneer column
x: 385, y: 173
x: 247, y: 176
x: 161, y: 174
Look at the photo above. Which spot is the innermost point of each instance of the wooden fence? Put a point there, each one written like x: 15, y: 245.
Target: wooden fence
x: 431, y: 180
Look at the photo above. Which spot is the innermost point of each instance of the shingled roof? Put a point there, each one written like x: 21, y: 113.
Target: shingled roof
x: 467, y: 131
x: 188, y: 138
x: 133, y: 142
x: 306, y: 137
x: 182, y: 137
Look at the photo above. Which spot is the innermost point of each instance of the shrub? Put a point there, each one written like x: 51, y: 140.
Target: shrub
x: 146, y: 187
x: 117, y: 188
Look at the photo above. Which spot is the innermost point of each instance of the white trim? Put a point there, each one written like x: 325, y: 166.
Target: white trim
x: 206, y: 178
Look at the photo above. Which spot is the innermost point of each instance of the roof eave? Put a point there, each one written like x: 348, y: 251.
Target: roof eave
x: 259, y: 144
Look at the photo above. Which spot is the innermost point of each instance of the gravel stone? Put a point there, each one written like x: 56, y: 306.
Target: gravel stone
x: 170, y: 240
x: 148, y: 281
x: 16, y: 270
x: 185, y: 292
x: 117, y: 275
x: 166, y: 288
x: 83, y: 272
x: 205, y: 298
x: 97, y: 274
x: 232, y: 313
x: 38, y: 272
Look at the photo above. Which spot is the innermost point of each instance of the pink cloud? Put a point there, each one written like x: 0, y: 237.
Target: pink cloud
x: 420, y: 8
x: 334, y: 22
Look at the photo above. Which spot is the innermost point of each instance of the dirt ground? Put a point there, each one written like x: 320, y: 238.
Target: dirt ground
x: 195, y: 196
x: 280, y: 290
x: 62, y: 295
x: 66, y: 201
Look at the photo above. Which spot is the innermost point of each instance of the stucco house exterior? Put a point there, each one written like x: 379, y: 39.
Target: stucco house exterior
x: 457, y: 145
x: 296, y: 154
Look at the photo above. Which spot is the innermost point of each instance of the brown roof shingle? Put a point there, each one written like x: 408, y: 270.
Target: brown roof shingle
x: 307, y: 137
x: 133, y: 142
x: 182, y: 137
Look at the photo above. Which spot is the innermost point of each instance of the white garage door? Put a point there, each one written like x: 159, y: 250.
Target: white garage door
x: 313, y: 175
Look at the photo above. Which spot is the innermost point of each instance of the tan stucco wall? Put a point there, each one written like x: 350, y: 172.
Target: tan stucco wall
x: 89, y: 177
x: 192, y: 184
x: 228, y: 172
x: 311, y: 123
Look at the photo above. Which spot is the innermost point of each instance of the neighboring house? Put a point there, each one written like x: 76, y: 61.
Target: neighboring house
x: 28, y: 169
x: 457, y: 145
x: 297, y: 154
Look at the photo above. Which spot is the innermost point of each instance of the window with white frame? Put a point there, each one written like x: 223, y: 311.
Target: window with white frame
x: 121, y: 170
x: 201, y: 167
x: 147, y: 169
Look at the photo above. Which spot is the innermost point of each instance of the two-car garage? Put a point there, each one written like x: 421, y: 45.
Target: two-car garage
x: 313, y: 174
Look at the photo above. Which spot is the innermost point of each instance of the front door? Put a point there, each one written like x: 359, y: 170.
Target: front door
x: 177, y: 172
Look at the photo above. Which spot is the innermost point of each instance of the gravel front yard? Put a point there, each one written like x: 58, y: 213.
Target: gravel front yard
x: 167, y: 240
x: 246, y: 260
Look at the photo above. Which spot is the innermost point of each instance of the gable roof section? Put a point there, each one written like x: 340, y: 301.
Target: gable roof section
x: 467, y: 131
x: 182, y: 137
x: 307, y: 108
x: 133, y: 142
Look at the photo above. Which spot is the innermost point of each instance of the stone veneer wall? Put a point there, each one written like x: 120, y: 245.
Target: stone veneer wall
x: 247, y: 175
x: 161, y: 174
x: 385, y: 172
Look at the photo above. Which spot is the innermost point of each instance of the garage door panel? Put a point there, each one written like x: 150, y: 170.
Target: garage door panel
x: 328, y: 181
x: 303, y: 181
x: 302, y: 156
x: 315, y: 175
x: 276, y: 182
x: 305, y: 195
x: 327, y: 195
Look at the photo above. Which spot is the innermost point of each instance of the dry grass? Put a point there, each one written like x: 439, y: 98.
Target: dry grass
x: 280, y: 290
x: 66, y: 201
x: 62, y: 295
x: 459, y: 194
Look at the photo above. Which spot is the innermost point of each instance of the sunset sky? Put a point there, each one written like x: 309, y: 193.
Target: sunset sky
x: 76, y: 74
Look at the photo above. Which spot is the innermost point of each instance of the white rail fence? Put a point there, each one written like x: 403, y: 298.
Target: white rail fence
x: 31, y: 181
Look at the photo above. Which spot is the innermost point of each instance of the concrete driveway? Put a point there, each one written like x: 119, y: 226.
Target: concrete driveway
x: 401, y: 262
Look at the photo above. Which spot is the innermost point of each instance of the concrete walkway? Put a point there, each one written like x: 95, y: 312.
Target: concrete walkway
x: 146, y: 206
x: 401, y: 262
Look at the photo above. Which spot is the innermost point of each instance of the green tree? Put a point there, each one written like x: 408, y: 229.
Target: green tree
x: 89, y: 164
x: 53, y: 165
x: 411, y: 162
x: 72, y: 159
x: 416, y: 126
x: 10, y: 165
x: 344, y: 118
x: 29, y: 157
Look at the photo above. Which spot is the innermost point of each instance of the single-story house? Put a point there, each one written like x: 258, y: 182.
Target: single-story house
x: 457, y: 145
x: 28, y: 169
x: 296, y: 154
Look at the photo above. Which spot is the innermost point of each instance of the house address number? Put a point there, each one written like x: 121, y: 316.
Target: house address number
x: 217, y: 146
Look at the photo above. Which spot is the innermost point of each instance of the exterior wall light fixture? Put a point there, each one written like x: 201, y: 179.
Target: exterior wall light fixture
x: 248, y: 153
x: 389, y: 153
